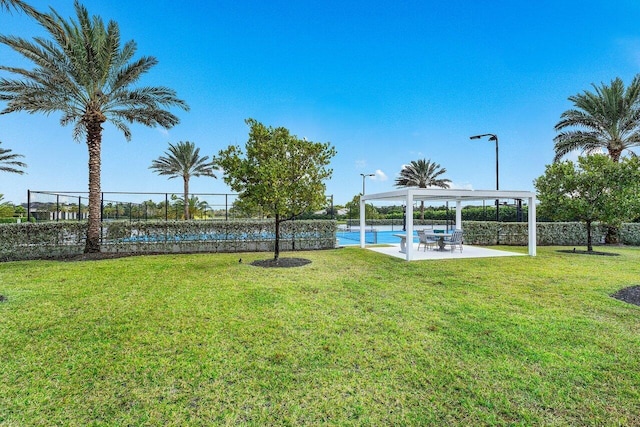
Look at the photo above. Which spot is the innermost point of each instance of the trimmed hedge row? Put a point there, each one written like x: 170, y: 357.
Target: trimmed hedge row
x: 547, y: 233
x: 44, y: 240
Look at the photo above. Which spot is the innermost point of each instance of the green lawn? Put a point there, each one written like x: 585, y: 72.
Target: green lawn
x: 354, y: 338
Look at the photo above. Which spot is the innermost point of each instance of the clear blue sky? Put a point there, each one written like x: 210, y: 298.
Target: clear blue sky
x: 384, y: 82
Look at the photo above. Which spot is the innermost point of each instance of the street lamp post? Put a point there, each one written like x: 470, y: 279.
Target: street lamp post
x: 365, y: 175
x: 493, y: 137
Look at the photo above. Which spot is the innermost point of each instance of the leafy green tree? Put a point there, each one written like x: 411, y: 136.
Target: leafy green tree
x: 279, y: 172
x: 607, y: 119
x: 422, y: 174
x: 20, y: 211
x: 595, y: 189
x: 83, y: 72
x: 183, y: 160
x: 353, y: 206
x: 6, y: 210
x: 8, y: 162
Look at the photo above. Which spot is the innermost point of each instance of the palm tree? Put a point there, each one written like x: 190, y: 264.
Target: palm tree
x: 607, y: 119
x: 84, y: 73
x: 15, y: 4
x: 422, y: 174
x: 183, y: 160
x: 8, y: 162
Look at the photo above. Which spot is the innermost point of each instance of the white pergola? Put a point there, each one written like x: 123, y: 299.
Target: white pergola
x: 410, y: 195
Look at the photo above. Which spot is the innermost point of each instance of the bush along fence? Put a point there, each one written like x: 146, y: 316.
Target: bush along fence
x: 547, y: 233
x: 50, y: 240
x: 55, y: 239
x: 516, y: 233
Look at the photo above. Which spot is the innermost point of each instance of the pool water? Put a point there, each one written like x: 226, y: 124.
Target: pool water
x: 348, y: 238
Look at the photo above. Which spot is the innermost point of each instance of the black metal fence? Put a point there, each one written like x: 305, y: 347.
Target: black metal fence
x: 73, y: 206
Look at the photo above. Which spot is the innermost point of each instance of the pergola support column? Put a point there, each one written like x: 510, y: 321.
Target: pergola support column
x: 409, y: 225
x: 363, y: 220
x: 532, y: 226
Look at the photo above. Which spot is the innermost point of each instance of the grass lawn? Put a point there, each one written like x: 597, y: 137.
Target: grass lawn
x: 354, y: 338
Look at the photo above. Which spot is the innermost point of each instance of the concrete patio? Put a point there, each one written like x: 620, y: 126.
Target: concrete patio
x: 408, y: 196
x: 430, y: 254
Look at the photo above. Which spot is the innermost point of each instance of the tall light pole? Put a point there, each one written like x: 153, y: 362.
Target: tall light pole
x: 364, y: 176
x: 493, y: 137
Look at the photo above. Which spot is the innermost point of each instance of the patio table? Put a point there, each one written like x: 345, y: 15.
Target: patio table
x: 439, y: 237
x: 403, y: 242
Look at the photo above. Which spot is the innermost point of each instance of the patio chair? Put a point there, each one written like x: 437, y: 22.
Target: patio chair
x: 455, y: 240
x: 425, y: 240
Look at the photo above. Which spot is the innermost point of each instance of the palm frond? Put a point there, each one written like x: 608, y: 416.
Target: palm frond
x: 8, y: 162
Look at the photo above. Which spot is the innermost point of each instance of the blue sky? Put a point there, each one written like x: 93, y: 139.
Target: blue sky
x: 384, y: 82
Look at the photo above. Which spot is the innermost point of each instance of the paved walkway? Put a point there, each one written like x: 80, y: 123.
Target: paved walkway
x: 418, y: 255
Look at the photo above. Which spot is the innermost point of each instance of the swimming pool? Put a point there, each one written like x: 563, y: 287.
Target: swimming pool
x: 348, y: 238
x: 381, y: 234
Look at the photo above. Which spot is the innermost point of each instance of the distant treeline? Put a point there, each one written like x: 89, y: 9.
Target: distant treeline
x: 508, y: 213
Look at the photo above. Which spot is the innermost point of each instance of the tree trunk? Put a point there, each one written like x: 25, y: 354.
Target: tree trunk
x: 615, y: 155
x: 422, y: 210
x: 589, y: 244
x: 94, y: 139
x: 186, y: 197
x: 276, y: 250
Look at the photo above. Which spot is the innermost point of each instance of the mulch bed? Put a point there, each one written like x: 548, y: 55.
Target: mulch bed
x: 630, y: 295
x: 281, y: 262
x: 584, y: 252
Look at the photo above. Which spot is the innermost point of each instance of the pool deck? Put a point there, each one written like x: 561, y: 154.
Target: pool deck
x: 468, y: 251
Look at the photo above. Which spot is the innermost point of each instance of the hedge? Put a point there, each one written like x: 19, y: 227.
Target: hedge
x: 55, y: 239
x: 516, y: 233
x: 547, y: 233
x: 49, y: 240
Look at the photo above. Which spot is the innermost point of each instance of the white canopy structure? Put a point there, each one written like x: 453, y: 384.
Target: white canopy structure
x: 410, y: 195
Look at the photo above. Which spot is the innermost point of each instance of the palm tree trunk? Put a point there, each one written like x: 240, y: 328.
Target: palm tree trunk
x: 186, y: 198
x: 422, y: 210
x: 94, y: 140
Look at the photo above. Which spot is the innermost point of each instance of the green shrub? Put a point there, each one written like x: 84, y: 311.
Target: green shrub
x: 51, y: 239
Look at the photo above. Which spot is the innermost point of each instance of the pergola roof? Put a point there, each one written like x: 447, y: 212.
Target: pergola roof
x: 446, y: 194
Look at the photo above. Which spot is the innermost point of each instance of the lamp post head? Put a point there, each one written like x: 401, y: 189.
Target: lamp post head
x: 492, y: 137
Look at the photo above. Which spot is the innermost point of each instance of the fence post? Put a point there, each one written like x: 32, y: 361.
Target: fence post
x: 28, y: 205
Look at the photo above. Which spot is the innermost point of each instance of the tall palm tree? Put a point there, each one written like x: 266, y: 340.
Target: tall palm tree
x: 84, y: 73
x: 8, y: 162
x: 422, y: 174
x: 607, y: 119
x: 183, y: 160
